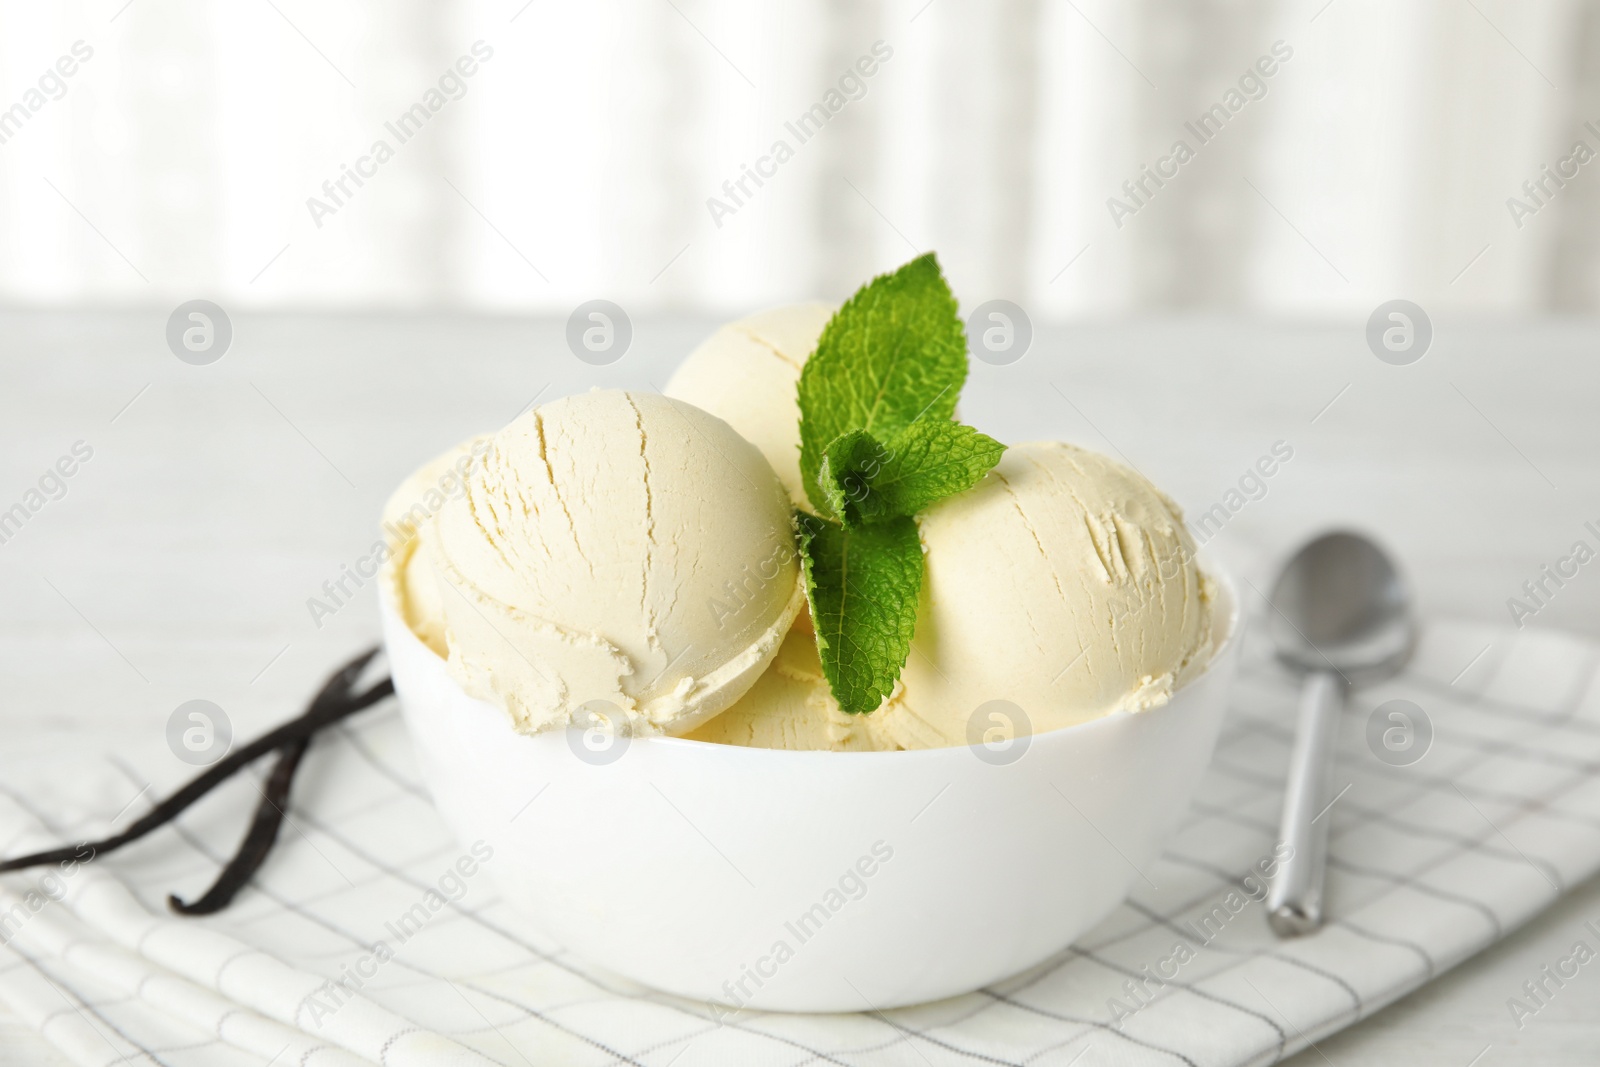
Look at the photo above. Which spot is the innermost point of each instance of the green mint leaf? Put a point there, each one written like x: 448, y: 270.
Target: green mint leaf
x: 839, y: 477
x: 894, y: 353
x: 862, y: 585
x: 864, y: 481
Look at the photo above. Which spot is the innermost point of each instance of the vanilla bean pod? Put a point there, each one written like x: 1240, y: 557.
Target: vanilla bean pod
x: 258, y: 842
x: 331, y: 703
x: 269, y: 817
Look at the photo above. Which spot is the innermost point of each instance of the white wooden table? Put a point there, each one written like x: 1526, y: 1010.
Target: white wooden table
x: 218, y: 499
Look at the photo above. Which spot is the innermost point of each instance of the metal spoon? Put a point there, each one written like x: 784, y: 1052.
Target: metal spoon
x: 1341, y: 616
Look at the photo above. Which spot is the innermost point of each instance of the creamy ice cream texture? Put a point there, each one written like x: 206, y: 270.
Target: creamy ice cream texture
x: 747, y: 374
x: 791, y: 707
x: 614, y: 547
x: 609, y: 546
x: 406, y: 576
x: 1064, y: 583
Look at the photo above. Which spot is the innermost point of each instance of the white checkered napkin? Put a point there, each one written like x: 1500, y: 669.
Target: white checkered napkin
x: 232, y: 989
x: 89, y: 1022
x: 1430, y: 862
x: 52, y: 939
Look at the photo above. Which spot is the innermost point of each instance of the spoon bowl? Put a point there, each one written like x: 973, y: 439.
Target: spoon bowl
x: 1340, y: 604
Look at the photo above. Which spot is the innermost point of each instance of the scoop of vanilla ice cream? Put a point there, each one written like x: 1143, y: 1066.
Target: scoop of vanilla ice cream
x: 791, y: 707
x: 747, y: 374
x: 619, y: 547
x: 1062, y: 582
x: 406, y: 573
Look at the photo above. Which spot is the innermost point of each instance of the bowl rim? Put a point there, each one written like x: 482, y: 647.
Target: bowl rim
x: 1061, y: 734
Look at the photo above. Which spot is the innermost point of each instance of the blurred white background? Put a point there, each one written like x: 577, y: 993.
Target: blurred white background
x: 577, y: 161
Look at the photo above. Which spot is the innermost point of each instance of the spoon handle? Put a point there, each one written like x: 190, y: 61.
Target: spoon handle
x: 1294, y: 906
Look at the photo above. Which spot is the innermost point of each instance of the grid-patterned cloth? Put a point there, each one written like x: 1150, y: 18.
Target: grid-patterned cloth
x: 1430, y: 863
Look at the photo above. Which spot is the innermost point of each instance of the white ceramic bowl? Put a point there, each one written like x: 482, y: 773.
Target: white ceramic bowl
x: 811, y: 881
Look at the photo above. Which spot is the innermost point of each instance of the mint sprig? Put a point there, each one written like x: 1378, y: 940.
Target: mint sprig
x: 894, y: 353
x: 877, y: 445
x: 865, y: 481
x: 863, y: 586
